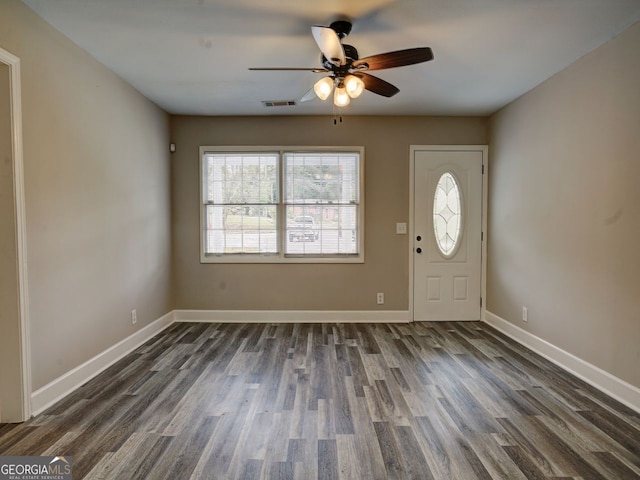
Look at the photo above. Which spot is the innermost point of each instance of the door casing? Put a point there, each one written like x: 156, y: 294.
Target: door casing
x: 20, y: 404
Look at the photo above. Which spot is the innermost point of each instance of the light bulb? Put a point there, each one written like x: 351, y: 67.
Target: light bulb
x: 341, y: 97
x: 354, y: 86
x: 323, y: 87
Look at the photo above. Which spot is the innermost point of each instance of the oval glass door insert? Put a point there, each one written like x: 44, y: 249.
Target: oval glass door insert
x: 447, y: 215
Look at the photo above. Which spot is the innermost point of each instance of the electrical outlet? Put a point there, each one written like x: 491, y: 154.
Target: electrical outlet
x: 134, y: 317
x: 380, y: 298
x: 525, y: 314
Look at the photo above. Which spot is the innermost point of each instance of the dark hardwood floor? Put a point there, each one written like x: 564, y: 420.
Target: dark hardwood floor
x: 349, y: 401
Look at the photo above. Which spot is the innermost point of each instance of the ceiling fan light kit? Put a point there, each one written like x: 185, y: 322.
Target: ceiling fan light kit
x: 351, y: 87
x: 347, y: 72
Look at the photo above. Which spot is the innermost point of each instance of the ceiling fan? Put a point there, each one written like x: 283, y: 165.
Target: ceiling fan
x: 347, y: 76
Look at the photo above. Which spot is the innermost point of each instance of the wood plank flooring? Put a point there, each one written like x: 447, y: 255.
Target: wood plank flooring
x: 335, y: 401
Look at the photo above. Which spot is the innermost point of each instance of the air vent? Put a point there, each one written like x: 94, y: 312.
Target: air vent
x: 279, y: 103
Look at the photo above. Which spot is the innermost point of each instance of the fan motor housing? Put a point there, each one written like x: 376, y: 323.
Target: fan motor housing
x: 341, y: 27
x: 350, y: 53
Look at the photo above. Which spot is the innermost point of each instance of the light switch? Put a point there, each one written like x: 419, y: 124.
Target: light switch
x: 401, y: 228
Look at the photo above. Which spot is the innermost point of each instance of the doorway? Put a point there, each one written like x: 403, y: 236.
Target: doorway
x: 448, y: 198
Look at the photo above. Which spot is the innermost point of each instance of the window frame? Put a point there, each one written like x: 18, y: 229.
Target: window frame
x: 280, y: 256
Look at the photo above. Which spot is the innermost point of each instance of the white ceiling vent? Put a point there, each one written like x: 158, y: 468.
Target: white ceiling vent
x: 279, y: 103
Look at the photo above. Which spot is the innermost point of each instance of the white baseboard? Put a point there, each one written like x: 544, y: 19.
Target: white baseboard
x: 290, y: 316
x: 46, y: 396
x: 62, y: 386
x: 613, y: 386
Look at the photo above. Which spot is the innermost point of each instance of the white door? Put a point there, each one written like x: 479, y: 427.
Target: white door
x: 447, y: 233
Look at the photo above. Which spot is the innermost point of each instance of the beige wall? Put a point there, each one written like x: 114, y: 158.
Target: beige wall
x: 308, y: 287
x: 97, y: 198
x: 564, y: 209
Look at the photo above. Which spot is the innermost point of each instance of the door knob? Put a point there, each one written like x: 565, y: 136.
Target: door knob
x: 419, y: 250
x: 418, y: 238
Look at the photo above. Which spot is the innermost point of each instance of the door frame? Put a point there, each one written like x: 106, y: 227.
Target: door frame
x: 485, y: 183
x: 24, y: 389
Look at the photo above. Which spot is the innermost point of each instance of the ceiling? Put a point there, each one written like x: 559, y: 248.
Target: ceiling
x: 192, y: 56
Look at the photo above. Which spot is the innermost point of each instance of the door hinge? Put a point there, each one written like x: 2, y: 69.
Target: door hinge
x: 483, y: 169
x: 480, y: 302
x: 482, y: 236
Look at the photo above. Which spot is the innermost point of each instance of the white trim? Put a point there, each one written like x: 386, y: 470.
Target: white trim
x: 485, y: 229
x: 485, y: 200
x: 613, y: 386
x: 62, y: 386
x: 46, y: 396
x: 292, y: 316
x: 13, y: 63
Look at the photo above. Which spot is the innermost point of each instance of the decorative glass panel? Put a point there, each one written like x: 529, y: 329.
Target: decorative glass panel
x: 447, y: 214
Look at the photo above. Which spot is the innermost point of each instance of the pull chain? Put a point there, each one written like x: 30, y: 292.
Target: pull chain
x: 337, y: 115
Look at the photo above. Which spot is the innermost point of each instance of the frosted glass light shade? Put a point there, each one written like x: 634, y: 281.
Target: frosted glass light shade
x: 341, y: 97
x: 323, y: 87
x: 354, y: 86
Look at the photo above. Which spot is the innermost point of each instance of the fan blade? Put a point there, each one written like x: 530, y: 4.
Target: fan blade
x: 305, y: 69
x: 329, y: 43
x: 398, y: 58
x: 377, y: 85
x: 310, y: 95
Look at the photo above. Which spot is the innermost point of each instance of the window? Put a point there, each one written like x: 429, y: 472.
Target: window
x: 270, y: 205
